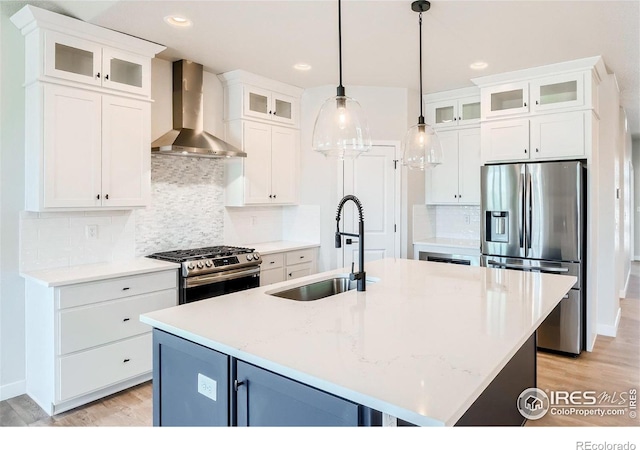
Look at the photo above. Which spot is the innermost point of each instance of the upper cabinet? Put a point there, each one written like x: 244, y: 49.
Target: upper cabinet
x: 547, y: 112
x: 261, y: 118
x: 455, y: 108
x: 87, y: 105
x: 249, y: 96
x: 83, y: 61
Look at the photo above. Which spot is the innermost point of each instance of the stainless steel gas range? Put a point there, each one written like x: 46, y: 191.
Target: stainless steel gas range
x: 212, y: 271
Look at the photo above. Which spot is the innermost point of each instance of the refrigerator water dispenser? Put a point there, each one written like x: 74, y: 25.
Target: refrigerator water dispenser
x: 497, y: 226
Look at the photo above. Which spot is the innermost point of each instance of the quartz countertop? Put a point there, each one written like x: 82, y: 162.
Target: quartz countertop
x: 94, y: 272
x: 420, y: 344
x: 267, y: 248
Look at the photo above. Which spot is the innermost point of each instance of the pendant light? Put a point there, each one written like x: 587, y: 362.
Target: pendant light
x: 421, y: 145
x: 341, y: 128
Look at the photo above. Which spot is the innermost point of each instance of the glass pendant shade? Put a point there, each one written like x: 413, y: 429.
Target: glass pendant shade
x: 421, y: 148
x: 341, y: 129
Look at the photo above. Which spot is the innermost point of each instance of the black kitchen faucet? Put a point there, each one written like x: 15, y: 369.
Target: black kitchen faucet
x: 360, y: 275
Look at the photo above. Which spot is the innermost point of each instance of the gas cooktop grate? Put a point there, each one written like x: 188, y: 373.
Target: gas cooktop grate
x: 200, y: 253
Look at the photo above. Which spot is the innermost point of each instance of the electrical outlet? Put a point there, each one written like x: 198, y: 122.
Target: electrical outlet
x: 207, y: 387
x: 91, y: 231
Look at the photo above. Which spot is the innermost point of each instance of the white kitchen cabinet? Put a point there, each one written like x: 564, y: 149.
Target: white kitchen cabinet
x: 84, y: 61
x: 453, y: 112
x: 250, y: 96
x: 287, y: 265
x: 268, y: 174
x: 87, y: 107
x: 547, y: 136
x: 557, y: 92
x: 94, y: 151
x: 506, y: 99
x: 457, y: 179
x: 85, y: 340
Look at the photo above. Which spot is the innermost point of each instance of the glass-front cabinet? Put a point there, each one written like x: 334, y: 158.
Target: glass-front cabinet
x: 269, y: 105
x: 561, y: 91
x: 455, y: 112
x: 84, y: 61
x: 503, y: 100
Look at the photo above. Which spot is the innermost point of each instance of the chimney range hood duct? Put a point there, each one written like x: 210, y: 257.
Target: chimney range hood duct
x: 188, y: 137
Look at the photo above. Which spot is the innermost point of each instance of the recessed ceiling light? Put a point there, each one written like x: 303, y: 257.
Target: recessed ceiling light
x: 479, y: 65
x: 177, y: 21
x: 302, y: 66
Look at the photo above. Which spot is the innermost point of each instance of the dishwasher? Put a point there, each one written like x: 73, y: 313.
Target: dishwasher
x: 466, y: 260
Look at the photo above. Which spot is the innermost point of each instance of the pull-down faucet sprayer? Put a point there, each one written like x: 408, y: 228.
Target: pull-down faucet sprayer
x: 360, y: 275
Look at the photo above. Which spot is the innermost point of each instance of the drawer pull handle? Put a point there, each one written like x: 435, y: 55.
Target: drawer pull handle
x: 302, y: 257
x: 290, y: 274
x: 126, y: 319
x: 125, y: 288
x: 126, y: 360
x: 272, y: 262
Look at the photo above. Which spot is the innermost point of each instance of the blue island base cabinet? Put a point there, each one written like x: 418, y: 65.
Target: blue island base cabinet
x: 197, y: 386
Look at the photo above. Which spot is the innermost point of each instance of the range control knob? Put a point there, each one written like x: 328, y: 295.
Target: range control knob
x: 200, y: 265
x: 249, y: 256
x: 208, y: 263
x: 190, y: 266
x: 256, y: 256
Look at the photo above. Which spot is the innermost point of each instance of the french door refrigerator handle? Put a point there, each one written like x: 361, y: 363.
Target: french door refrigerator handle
x: 529, y: 209
x: 521, y: 215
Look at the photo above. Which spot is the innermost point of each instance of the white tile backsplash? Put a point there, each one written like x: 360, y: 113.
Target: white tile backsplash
x: 52, y: 240
x: 250, y: 225
x: 446, y: 221
x: 301, y: 223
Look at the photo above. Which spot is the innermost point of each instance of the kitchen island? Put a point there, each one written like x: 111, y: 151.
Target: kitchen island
x: 421, y: 344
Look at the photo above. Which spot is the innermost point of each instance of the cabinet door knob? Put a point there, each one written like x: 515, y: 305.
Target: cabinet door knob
x: 126, y: 360
x: 525, y: 150
x: 455, y: 196
x: 270, y: 196
x: 106, y: 77
x: 274, y: 195
x: 459, y: 118
x: 455, y: 118
x: 106, y: 196
x: 274, y: 113
x: 525, y: 103
x: 270, y: 112
x: 290, y: 274
x: 98, y: 75
x: 98, y: 197
x: 537, y: 102
x: 537, y: 150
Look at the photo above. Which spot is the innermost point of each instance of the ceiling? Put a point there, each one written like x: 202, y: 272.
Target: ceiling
x: 380, y: 38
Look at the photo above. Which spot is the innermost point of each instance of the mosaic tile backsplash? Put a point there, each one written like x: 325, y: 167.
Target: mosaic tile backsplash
x: 187, y: 205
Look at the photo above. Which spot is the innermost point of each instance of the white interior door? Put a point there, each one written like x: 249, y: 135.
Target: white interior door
x: 375, y: 180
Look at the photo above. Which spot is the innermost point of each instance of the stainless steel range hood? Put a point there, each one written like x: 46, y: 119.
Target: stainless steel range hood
x: 188, y: 137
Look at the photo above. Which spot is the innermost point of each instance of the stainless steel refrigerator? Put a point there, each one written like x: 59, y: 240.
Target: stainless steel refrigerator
x: 533, y: 219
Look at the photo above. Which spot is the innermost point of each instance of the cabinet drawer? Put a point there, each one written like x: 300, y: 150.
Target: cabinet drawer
x: 94, y: 369
x: 89, y: 326
x: 299, y: 270
x: 87, y: 293
x: 272, y: 261
x: 300, y: 256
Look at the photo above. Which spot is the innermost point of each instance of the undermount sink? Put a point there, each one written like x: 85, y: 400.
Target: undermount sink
x: 319, y: 289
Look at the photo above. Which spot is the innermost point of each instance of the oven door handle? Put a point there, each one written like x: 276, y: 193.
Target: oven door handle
x: 532, y: 268
x: 218, y: 277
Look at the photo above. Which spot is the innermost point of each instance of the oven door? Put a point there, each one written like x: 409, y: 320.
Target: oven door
x: 220, y: 283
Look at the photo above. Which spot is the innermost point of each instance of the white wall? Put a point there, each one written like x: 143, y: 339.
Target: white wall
x: 625, y: 208
x: 635, y: 144
x: 386, y: 110
x: 608, y: 305
x: 12, y: 341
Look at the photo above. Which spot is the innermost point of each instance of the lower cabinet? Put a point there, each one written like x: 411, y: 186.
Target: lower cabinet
x: 196, y: 386
x: 267, y: 399
x: 84, y: 341
x: 277, y: 267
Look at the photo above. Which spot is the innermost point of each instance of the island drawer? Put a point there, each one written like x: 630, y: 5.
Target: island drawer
x: 300, y: 256
x: 98, y: 291
x: 272, y: 261
x: 94, y: 369
x: 299, y: 270
x: 89, y: 326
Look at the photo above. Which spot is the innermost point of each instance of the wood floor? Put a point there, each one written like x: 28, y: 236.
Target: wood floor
x: 613, y: 366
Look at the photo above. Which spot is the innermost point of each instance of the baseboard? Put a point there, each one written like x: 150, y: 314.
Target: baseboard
x: 11, y: 390
x: 593, y: 343
x: 610, y: 330
x: 623, y: 292
x: 636, y: 258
